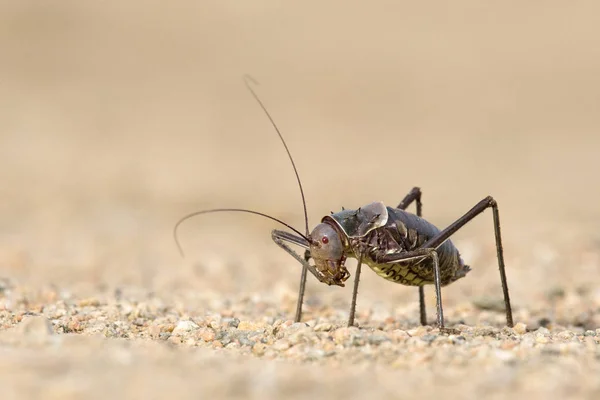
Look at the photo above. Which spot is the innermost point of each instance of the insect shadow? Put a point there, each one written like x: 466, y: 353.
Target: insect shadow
x: 398, y: 246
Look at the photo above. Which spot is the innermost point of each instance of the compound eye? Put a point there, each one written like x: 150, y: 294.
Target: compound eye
x: 325, y: 240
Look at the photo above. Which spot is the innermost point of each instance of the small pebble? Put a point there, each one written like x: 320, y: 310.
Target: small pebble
x: 249, y: 326
x: 323, y: 327
x: 259, y: 349
x: 138, y: 322
x: 281, y: 345
x: 520, y: 328
x: 428, y: 338
x: 174, y: 339
x: 298, y: 325
x: 302, y: 335
x: 565, y: 335
x: 542, y: 339
x: 232, y: 322
x: 542, y: 332
x: 90, y: 302
x: 377, y: 339
x: 207, y: 334
x: 154, y: 331
x: 346, y: 335
x: 419, y: 331
x: 399, y: 335
x: 184, y: 326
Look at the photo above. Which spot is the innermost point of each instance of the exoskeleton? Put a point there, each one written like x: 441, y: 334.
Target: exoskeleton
x: 398, y: 246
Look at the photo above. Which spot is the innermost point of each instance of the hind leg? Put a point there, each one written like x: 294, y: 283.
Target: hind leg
x: 480, y: 207
x: 413, y: 195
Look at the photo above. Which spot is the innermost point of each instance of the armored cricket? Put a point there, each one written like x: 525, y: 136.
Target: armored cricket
x: 399, y: 246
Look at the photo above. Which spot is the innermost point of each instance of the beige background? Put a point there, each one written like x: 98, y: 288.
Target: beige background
x: 117, y: 118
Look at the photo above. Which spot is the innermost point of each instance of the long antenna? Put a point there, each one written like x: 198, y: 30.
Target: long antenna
x: 227, y: 210
x: 247, y: 80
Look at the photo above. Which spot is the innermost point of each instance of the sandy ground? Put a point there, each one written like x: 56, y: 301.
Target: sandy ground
x: 117, y: 118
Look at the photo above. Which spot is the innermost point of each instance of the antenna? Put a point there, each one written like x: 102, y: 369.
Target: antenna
x: 248, y: 80
x: 227, y: 210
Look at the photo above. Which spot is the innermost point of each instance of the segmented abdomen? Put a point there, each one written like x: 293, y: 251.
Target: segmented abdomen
x: 410, y: 232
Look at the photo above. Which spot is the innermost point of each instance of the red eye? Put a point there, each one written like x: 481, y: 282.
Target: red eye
x: 325, y: 239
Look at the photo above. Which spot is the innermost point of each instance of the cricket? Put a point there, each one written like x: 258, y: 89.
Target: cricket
x: 399, y: 246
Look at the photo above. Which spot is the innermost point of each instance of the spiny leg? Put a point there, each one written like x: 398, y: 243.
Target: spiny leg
x: 415, y: 195
x: 459, y: 223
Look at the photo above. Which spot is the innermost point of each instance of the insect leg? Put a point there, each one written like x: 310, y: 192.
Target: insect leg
x: 422, y: 253
x: 283, y: 235
x: 422, y: 309
x: 355, y: 292
x: 459, y: 223
x: 279, y: 237
x: 290, y: 237
x: 415, y: 195
x: 302, y: 288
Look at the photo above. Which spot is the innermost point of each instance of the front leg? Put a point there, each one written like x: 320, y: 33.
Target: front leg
x: 279, y: 237
x: 302, y: 288
x: 355, y: 292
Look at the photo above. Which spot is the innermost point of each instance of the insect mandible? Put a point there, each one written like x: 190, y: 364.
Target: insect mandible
x: 397, y: 245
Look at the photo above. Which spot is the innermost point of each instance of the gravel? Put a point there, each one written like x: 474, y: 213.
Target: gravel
x: 150, y: 340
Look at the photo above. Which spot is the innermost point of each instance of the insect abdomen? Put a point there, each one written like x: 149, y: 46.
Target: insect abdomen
x: 400, y: 273
x: 411, y: 232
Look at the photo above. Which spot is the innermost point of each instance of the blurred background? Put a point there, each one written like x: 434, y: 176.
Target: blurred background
x: 117, y: 118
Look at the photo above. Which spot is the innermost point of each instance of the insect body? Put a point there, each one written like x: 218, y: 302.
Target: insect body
x: 397, y: 231
x: 398, y: 246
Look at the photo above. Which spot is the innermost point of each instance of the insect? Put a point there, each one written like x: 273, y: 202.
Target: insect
x: 398, y: 246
